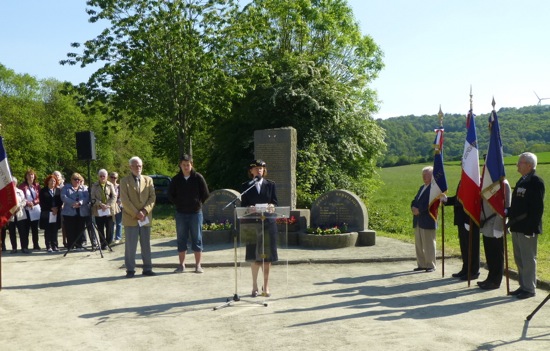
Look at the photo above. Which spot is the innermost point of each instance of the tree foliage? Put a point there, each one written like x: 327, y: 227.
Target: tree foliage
x: 163, y: 60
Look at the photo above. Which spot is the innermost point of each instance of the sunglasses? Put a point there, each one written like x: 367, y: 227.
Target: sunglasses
x: 77, y: 180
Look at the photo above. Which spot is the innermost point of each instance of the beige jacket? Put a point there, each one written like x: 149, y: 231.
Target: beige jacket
x: 96, y: 198
x: 134, y: 199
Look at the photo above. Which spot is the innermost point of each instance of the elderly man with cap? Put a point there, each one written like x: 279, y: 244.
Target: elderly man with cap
x: 264, y: 192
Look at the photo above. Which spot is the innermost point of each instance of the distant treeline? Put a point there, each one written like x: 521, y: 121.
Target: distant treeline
x: 409, y: 139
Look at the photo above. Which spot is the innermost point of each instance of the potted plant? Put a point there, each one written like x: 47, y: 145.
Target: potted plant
x: 217, y: 233
x: 328, y: 237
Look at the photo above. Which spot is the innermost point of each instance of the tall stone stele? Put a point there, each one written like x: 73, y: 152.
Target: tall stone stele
x: 277, y: 147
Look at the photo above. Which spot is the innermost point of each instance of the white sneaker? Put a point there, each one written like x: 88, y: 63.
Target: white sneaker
x: 180, y: 269
x: 117, y: 241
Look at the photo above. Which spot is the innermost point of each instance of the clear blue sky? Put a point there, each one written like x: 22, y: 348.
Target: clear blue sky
x: 433, y: 49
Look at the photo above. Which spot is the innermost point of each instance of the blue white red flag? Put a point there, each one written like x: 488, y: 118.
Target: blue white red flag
x: 493, y: 170
x: 7, y: 189
x: 439, y: 180
x: 470, y: 185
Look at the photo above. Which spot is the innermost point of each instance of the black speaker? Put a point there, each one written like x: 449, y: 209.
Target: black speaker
x: 85, y: 145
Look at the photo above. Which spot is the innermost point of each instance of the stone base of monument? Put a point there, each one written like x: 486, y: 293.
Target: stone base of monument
x: 216, y: 237
x: 329, y: 241
x: 366, y: 238
x: 288, y: 240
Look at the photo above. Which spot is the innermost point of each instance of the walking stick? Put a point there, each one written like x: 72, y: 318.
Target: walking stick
x: 469, y: 252
x: 442, y: 241
x: 538, y: 307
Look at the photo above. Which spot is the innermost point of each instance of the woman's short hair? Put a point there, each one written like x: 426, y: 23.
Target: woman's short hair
x: 47, y: 180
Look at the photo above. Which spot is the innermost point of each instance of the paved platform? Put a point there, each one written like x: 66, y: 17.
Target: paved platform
x: 357, y: 298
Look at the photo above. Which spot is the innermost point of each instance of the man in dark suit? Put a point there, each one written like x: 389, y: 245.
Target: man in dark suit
x: 462, y: 222
x: 263, y: 192
x: 137, y: 194
x: 525, y: 221
x: 424, y: 225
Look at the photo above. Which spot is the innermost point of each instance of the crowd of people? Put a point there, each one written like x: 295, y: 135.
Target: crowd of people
x: 76, y: 210
x: 67, y: 208
x: 524, y: 208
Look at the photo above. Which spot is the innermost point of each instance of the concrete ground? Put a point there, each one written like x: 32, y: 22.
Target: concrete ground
x: 357, y: 298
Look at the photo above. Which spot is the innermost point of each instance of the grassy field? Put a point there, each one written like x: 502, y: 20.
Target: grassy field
x: 389, y: 208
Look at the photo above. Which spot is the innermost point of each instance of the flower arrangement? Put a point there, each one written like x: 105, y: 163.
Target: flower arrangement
x: 290, y: 220
x: 335, y: 229
x: 218, y: 226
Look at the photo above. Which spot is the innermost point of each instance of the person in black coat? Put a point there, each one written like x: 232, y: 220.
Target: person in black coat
x: 462, y: 222
x: 188, y: 191
x: 525, y: 222
x: 50, y: 201
x: 264, y: 192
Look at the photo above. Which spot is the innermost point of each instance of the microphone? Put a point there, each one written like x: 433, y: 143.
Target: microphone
x: 255, y: 180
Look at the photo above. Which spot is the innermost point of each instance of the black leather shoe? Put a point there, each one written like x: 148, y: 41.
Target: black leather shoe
x: 429, y: 270
x: 482, y: 283
x: 516, y: 292
x: 459, y: 274
x: 525, y: 295
x: 472, y: 277
x: 489, y: 286
x: 130, y: 274
x: 149, y: 273
x: 418, y: 269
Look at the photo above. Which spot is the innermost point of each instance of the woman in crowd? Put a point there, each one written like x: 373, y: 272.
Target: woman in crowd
x: 17, y: 221
x: 103, y: 199
x: 264, y: 192
x: 50, y: 217
x: 31, y: 190
x: 113, y: 177
x: 75, y: 199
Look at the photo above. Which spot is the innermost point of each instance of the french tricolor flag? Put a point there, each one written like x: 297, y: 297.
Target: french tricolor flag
x: 7, y: 189
x: 493, y: 170
x: 469, y: 190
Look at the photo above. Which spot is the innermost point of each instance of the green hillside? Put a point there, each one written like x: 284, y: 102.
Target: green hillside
x: 409, y: 139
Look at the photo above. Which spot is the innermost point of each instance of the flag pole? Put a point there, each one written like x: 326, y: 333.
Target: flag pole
x: 505, y: 229
x: 440, y: 115
x: 470, y: 229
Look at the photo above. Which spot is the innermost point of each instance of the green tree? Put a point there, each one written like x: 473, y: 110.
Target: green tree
x: 311, y: 70
x: 167, y: 61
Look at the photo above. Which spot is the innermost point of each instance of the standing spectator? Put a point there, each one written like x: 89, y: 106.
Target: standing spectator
x: 75, y: 199
x: 60, y: 185
x: 462, y: 222
x: 424, y: 225
x: 18, y: 221
x: 188, y: 191
x: 137, y: 194
x: 31, y: 190
x: 103, y: 200
x: 113, y: 177
x: 264, y: 192
x: 525, y: 223
x: 492, y: 228
x: 50, y: 199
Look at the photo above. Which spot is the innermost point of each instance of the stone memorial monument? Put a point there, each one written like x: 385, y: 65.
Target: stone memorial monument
x: 344, y: 209
x: 277, y: 147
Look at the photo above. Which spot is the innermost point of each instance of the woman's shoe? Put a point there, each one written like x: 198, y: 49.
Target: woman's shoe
x: 254, y: 293
x: 264, y: 293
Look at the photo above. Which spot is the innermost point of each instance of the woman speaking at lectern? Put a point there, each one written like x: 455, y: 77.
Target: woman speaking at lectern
x: 262, y: 192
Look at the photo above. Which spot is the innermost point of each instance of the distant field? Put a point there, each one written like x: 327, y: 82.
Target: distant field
x: 391, y: 204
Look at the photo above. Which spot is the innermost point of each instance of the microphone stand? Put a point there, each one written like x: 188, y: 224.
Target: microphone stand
x: 236, y: 297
